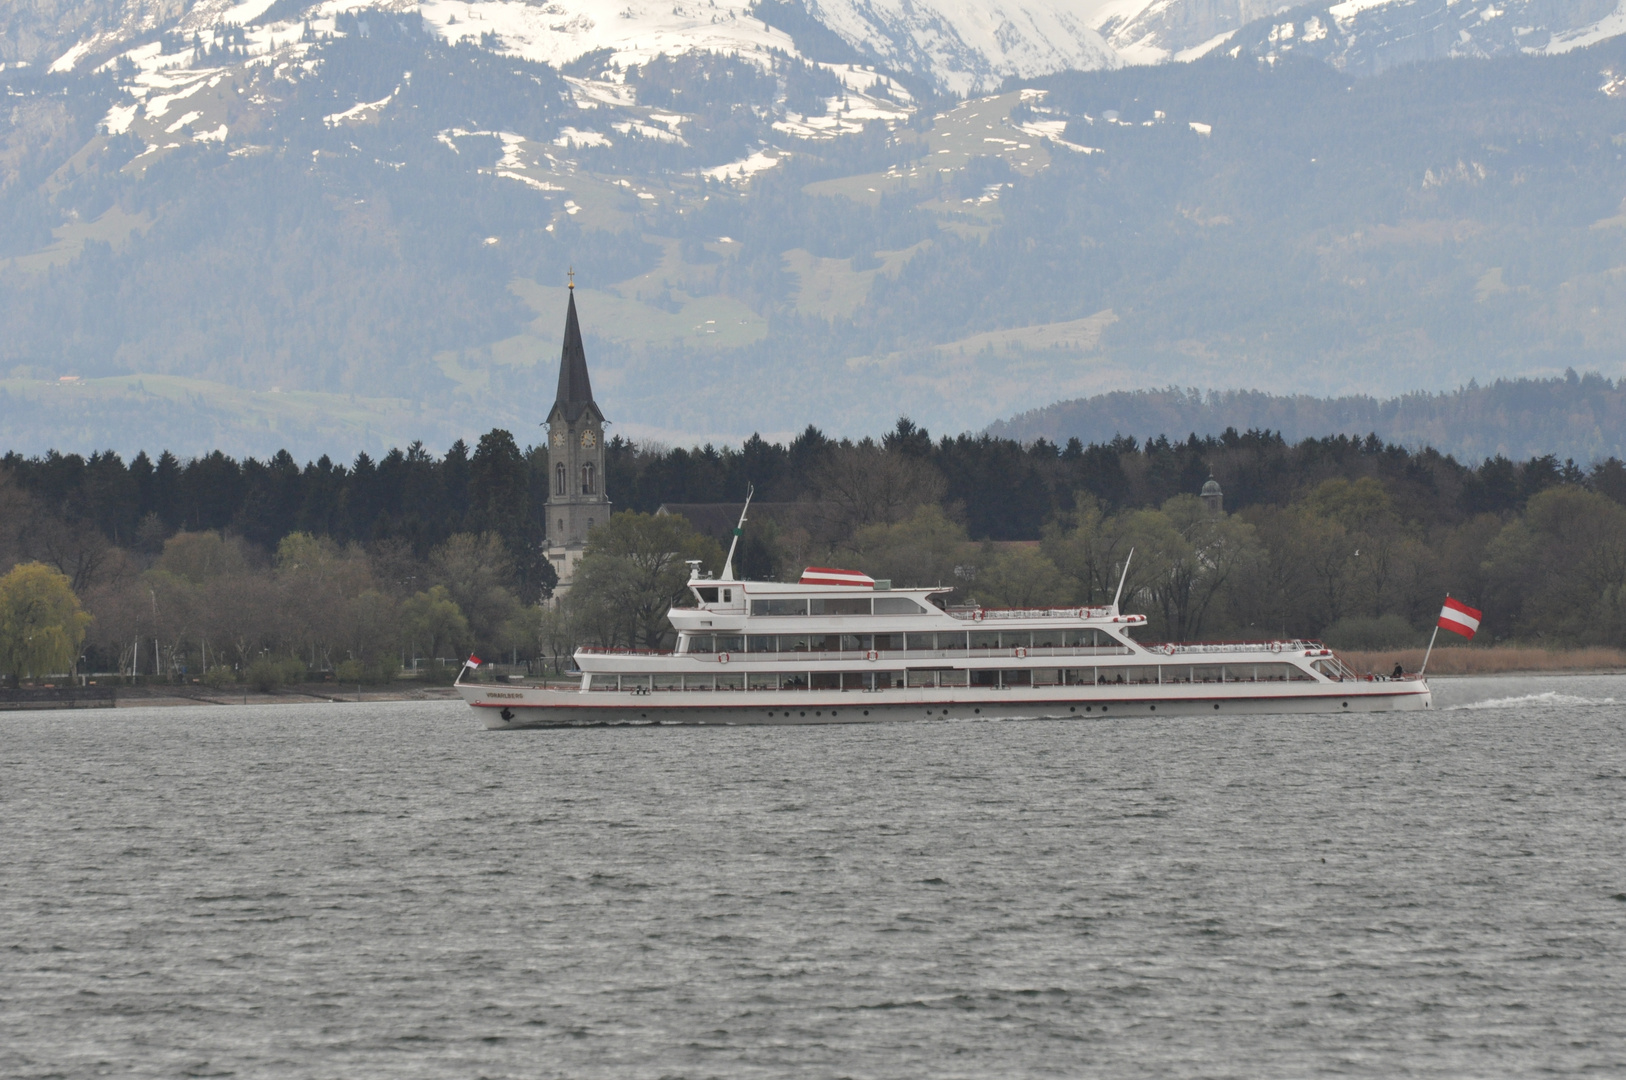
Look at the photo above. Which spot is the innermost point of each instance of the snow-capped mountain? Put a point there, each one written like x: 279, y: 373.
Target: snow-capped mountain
x: 967, y: 46
x: 1368, y: 36
x: 321, y: 225
x: 956, y: 46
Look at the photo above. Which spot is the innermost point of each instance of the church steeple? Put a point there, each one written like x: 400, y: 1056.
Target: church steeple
x: 577, y: 500
x: 575, y: 389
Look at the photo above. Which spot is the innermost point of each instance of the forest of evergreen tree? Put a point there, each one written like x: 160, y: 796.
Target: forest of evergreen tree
x: 414, y: 554
x: 999, y: 488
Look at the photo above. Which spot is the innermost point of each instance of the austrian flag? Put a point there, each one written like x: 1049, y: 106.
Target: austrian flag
x: 1459, y: 618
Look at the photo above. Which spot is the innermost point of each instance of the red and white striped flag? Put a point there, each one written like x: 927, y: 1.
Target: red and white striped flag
x: 475, y: 661
x: 1459, y: 618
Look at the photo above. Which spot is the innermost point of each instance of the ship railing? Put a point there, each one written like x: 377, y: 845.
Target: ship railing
x: 1200, y: 648
x: 939, y: 655
x: 1203, y: 648
x: 985, y: 614
x: 621, y: 650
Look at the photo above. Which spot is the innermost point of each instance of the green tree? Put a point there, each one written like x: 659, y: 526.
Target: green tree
x: 923, y: 549
x: 865, y: 485
x: 1089, y: 547
x: 1019, y: 575
x: 201, y: 556
x: 434, y: 623
x: 478, y: 572
x: 317, y: 579
x: 632, y: 572
x: 1560, y: 571
x: 1201, y: 559
x: 41, y: 622
x: 499, y: 488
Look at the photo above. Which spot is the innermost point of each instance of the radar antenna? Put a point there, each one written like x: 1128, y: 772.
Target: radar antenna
x: 728, y: 566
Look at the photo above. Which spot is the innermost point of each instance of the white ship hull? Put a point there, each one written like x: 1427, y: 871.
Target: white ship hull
x: 837, y: 648
x: 505, y: 706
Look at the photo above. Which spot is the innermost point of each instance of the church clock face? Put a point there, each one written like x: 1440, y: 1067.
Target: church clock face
x: 589, y: 439
x: 557, y: 437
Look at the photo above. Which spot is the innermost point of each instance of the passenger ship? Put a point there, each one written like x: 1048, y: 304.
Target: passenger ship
x: 837, y: 647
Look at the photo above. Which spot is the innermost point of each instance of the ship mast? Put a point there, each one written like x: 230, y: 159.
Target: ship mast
x: 728, y: 565
x: 1125, y: 577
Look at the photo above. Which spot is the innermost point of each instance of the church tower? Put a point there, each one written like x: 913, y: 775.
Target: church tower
x: 576, y: 498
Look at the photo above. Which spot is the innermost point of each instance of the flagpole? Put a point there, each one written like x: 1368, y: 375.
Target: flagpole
x: 1430, y: 651
x: 1431, y: 637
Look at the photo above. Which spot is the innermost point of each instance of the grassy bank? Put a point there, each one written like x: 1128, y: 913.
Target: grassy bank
x: 1498, y: 660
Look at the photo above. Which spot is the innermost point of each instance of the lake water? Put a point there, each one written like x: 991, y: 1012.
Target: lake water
x: 344, y: 890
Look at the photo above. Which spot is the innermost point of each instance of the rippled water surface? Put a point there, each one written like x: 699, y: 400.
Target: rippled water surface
x: 386, y: 890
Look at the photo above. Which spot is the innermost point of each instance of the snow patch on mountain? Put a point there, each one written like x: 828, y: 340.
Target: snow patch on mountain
x: 961, y: 46
x: 362, y: 110
x: 1366, y: 37
x: 1611, y: 25
x: 968, y: 46
x: 636, y: 31
x: 744, y: 170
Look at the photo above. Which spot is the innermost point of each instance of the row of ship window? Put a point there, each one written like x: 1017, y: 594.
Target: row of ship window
x: 1139, y: 675
x: 838, y: 605
x: 946, y: 640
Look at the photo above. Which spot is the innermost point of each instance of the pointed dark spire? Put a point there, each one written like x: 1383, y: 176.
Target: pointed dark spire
x: 575, y: 392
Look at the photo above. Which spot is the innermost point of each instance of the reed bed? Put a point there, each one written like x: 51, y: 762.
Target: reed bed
x: 1497, y: 660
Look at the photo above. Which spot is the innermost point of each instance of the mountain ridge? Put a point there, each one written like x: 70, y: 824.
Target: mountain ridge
x: 355, y: 229
x: 1582, y: 417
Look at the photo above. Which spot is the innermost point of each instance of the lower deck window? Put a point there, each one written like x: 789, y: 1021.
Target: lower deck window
x: 870, y: 679
x: 1266, y: 673
x: 776, y: 680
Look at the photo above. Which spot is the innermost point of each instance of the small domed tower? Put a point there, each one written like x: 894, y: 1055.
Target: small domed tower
x: 1213, y: 498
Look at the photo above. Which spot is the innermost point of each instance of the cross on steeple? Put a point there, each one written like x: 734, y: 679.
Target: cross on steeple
x: 572, y: 277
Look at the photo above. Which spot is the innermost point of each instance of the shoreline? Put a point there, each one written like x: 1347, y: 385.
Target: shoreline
x: 1446, y: 664
x: 141, y: 697
x: 1457, y: 660
x: 1564, y: 673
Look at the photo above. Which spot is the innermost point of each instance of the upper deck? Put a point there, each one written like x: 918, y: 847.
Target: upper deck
x: 810, y: 607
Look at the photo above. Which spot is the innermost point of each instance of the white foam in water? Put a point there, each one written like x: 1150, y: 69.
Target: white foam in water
x: 1550, y: 698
